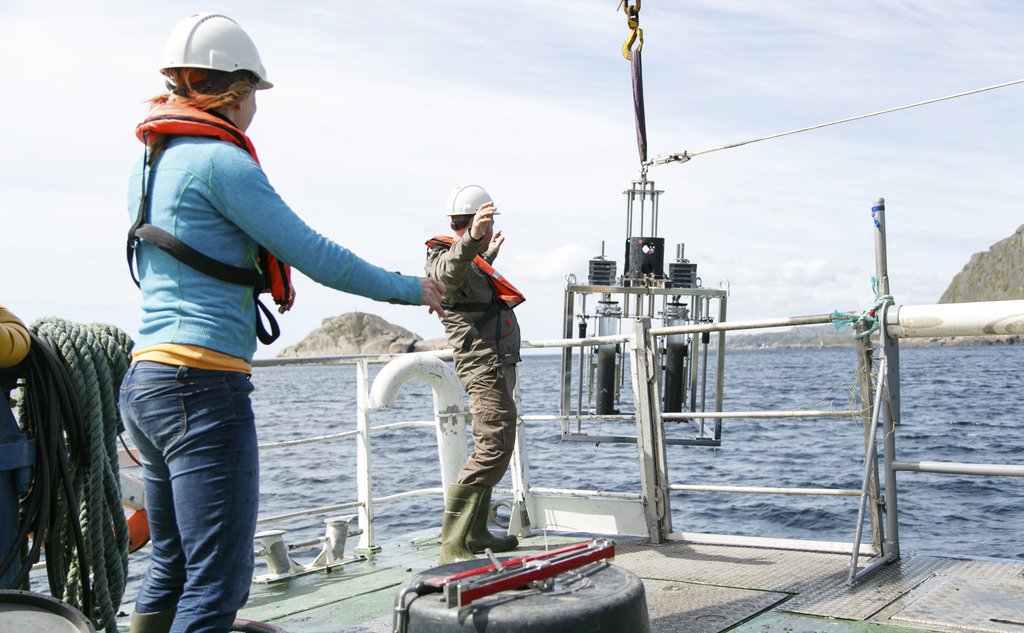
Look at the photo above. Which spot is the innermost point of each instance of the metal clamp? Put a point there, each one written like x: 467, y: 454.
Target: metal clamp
x: 463, y: 588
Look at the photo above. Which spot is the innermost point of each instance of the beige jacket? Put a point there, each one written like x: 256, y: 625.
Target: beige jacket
x: 482, y: 333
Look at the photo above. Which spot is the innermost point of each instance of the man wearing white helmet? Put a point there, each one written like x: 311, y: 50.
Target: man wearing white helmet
x: 483, y: 331
x: 210, y: 234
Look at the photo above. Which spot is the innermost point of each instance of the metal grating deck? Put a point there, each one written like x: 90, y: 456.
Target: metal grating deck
x: 924, y: 593
x: 689, y: 608
x: 832, y: 597
x: 759, y: 569
x: 967, y: 604
x: 964, y: 595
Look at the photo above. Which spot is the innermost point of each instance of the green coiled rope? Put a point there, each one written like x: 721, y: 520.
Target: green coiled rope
x: 95, y: 358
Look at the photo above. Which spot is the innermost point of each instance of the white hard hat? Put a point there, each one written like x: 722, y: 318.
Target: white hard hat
x: 214, y: 42
x: 466, y: 199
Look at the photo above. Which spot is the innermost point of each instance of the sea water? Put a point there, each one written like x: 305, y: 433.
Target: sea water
x: 959, y: 404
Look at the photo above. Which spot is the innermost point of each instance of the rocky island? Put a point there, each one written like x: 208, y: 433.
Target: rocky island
x: 359, y: 333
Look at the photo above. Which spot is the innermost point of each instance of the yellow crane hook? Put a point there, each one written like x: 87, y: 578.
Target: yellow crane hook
x: 636, y: 34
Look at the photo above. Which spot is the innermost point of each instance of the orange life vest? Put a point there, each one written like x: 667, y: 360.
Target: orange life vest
x: 270, y: 275
x: 506, y: 294
x: 173, y: 118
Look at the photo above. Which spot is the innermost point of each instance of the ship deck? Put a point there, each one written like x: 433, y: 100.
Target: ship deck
x: 696, y: 588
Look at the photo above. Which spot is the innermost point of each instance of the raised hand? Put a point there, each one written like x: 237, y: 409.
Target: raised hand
x: 482, y: 220
x: 495, y: 245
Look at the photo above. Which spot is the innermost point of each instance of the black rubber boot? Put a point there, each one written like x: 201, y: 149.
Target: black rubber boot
x: 156, y: 622
x: 480, y: 538
x: 460, y: 510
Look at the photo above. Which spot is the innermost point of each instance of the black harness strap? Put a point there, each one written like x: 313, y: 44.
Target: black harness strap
x: 490, y: 312
x: 189, y: 256
x: 152, y: 234
x: 140, y: 218
x: 467, y: 307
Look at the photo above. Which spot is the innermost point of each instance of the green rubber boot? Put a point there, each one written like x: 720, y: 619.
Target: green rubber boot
x: 480, y: 538
x: 460, y: 509
x: 156, y: 622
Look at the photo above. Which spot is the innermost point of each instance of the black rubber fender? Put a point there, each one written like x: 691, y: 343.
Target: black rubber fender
x: 39, y: 613
x: 596, y: 598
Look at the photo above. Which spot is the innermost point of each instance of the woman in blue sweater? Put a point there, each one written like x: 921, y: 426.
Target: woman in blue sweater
x: 185, y: 399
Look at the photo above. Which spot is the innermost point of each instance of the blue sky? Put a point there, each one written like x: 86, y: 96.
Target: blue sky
x: 381, y: 108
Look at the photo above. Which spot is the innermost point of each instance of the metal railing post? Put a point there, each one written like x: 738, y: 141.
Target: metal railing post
x: 885, y: 407
x: 865, y: 364
x: 364, y: 462
x: 697, y: 317
x: 720, y: 379
x: 519, y: 519
x: 891, y: 354
x: 890, y: 346
x: 650, y: 435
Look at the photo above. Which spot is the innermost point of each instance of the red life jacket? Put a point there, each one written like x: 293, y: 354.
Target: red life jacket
x: 270, y: 275
x: 506, y: 294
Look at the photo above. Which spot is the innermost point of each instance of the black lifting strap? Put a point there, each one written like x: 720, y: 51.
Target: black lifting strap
x: 189, y: 256
x: 638, y: 104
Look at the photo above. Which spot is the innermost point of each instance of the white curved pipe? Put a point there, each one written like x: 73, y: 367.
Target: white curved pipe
x: 956, y: 319
x: 433, y: 371
x: 449, y: 411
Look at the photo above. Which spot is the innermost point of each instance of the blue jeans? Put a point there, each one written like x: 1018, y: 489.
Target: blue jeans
x: 197, y: 436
